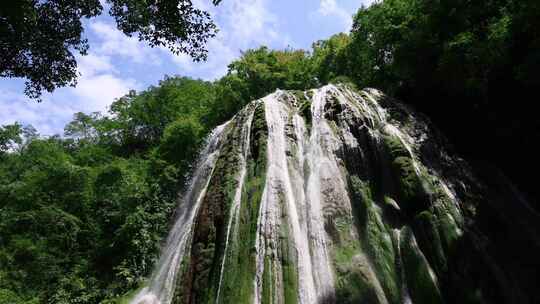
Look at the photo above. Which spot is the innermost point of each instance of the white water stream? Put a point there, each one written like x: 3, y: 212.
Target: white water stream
x: 160, y: 289
x: 305, y: 186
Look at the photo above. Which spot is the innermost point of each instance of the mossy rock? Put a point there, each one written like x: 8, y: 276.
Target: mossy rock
x: 209, y: 230
x: 354, y: 287
x: 421, y: 281
x: 300, y: 96
x: 304, y: 109
x: 361, y: 197
x: 378, y: 244
x: 413, y: 188
x: 375, y: 239
x: 355, y: 282
x: 426, y: 228
x: 240, y: 260
x: 183, y: 286
x: 259, y: 135
x: 395, y: 146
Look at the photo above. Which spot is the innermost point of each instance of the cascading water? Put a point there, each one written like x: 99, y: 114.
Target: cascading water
x: 233, y: 218
x: 324, y: 196
x: 161, y: 287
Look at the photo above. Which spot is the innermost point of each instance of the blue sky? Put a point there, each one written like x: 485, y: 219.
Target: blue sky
x: 115, y: 63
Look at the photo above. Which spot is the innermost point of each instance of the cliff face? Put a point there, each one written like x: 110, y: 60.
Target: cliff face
x: 338, y: 196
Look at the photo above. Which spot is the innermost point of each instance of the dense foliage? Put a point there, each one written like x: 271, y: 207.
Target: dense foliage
x: 38, y: 38
x: 88, y: 209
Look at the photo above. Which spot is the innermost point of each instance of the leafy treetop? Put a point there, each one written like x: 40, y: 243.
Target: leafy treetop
x: 38, y: 39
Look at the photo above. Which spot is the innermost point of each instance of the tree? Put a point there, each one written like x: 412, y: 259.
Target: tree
x: 329, y: 57
x: 83, y: 126
x: 181, y: 140
x: 264, y: 70
x: 38, y: 38
x: 10, y: 135
x: 140, y: 119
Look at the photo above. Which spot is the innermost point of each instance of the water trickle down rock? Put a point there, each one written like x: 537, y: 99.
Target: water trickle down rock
x: 332, y: 196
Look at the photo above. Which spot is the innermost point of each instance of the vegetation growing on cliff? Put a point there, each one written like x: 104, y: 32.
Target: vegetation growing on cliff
x: 89, y: 208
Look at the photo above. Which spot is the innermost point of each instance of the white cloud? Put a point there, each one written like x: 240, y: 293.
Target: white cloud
x: 114, y: 42
x: 92, y: 64
x: 250, y: 22
x: 48, y: 118
x: 97, y: 92
x: 99, y: 83
x: 93, y: 93
x: 329, y: 8
x: 242, y: 24
x: 220, y: 56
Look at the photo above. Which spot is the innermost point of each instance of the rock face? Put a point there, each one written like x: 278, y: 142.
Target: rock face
x: 338, y: 196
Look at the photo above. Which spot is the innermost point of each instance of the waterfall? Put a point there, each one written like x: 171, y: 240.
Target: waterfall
x: 246, y: 133
x: 321, y: 217
x: 161, y: 287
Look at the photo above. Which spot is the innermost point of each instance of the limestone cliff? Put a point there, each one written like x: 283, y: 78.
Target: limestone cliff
x: 341, y: 196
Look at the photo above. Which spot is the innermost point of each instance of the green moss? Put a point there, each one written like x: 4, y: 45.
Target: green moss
x: 238, y: 278
x: 284, y: 259
x: 395, y: 146
x: 375, y: 239
x: 378, y: 245
x: 422, y: 287
x: 354, y: 287
x: 413, y: 189
x: 268, y: 282
x: 210, y: 227
x: 409, y: 183
x: 345, y: 246
x: 290, y: 282
x: 445, y: 204
x: 343, y: 224
x: 449, y: 232
x: 360, y: 189
x: 361, y: 197
x: 426, y: 227
x: 448, y: 228
x: 438, y: 231
x: 258, y: 140
x: 288, y: 262
x: 351, y: 285
x: 304, y: 109
x: 299, y: 95
x: 344, y: 254
x: 390, y: 202
x: 237, y: 286
x: 210, y: 230
x: 354, y: 283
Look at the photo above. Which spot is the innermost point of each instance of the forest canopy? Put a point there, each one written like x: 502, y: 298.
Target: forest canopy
x: 89, y: 208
